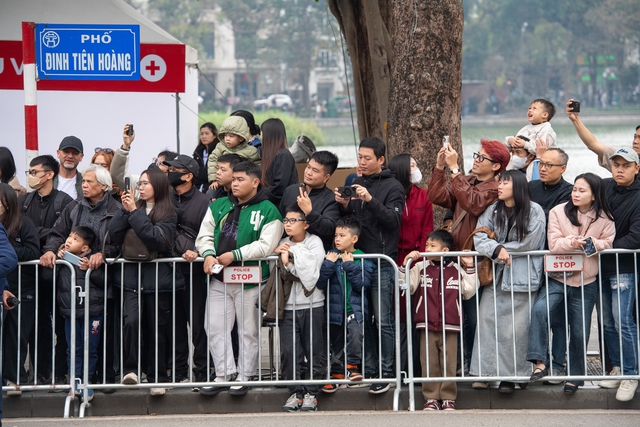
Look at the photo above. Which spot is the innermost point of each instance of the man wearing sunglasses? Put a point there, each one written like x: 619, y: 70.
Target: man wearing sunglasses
x: 468, y: 196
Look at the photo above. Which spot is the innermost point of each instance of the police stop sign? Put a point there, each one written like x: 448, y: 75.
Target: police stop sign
x: 562, y: 263
x: 242, y: 274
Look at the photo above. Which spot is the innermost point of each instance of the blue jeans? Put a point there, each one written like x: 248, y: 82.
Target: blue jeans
x: 580, y: 302
x: 603, y: 308
x: 95, y: 326
x: 382, y: 282
x: 623, y: 296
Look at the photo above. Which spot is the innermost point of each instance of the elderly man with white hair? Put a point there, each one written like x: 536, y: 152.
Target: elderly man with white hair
x: 94, y: 209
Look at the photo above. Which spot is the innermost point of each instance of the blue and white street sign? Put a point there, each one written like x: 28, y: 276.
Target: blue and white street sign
x: 88, y: 52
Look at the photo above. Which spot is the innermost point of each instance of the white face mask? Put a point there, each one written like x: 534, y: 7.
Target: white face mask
x: 518, y: 162
x: 416, y: 176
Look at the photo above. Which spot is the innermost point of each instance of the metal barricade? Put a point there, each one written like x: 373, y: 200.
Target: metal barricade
x: 35, y: 382
x: 243, y: 295
x: 502, y: 313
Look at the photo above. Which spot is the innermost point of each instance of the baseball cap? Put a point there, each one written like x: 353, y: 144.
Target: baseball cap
x: 184, y: 161
x: 71, y: 142
x: 626, y: 153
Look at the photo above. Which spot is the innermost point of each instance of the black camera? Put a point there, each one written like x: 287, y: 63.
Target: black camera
x: 575, y: 106
x: 13, y: 302
x: 130, y: 130
x: 347, y: 192
x: 127, y: 184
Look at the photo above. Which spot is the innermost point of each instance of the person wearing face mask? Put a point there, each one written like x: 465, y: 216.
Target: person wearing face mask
x: 191, y: 206
x: 43, y: 206
x: 417, y: 223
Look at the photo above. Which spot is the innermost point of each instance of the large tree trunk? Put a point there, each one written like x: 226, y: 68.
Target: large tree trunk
x: 407, y: 68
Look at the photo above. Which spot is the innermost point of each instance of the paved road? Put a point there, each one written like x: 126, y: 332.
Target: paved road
x: 489, y: 418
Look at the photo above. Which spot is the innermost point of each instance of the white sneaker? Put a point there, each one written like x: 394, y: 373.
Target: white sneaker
x: 611, y: 383
x: 627, y: 390
x: 130, y: 379
x: 157, y: 391
x: 13, y: 393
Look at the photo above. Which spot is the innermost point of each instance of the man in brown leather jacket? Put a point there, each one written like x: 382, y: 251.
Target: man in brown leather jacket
x: 468, y: 196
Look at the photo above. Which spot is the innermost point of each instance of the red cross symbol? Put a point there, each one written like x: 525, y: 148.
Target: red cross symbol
x: 152, y: 67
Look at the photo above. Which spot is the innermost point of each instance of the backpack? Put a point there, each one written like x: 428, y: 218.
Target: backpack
x: 57, y: 202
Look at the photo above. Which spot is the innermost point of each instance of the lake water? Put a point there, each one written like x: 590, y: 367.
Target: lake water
x: 580, y: 158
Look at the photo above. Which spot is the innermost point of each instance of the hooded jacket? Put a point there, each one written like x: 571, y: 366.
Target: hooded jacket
x: 427, y: 290
x: 324, y: 213
x: 463, y: 194
x: 238, y: 126
x: 256, y: 233
x: 523, y: 271
x: 625, y: 207
x: 382, y: 216
x: 331, y: 282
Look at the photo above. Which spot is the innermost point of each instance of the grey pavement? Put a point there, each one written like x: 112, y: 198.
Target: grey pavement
x: 492, y: 418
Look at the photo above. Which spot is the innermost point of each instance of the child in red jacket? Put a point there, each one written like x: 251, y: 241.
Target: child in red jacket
x: 436, y: 284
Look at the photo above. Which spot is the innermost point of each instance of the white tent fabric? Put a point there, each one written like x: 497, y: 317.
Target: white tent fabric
x: 97, y: 118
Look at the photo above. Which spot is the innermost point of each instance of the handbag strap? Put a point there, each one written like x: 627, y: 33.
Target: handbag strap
x: 468, y: 244
x: 458, y: 220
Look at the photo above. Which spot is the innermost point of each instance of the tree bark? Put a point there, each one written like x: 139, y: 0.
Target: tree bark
x: 407, y: 68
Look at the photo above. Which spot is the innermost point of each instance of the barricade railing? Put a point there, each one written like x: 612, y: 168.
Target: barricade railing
x: 164, y: 356
x: 508, y: 311
x: 255, y: 377
x: 38, y: 316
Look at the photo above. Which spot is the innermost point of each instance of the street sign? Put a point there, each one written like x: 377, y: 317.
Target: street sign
x: 562, y: 263
x: 88, y: 52
x: 242, y: 274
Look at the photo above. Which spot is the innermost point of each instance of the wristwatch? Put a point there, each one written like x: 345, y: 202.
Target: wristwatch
x: 455, y: 171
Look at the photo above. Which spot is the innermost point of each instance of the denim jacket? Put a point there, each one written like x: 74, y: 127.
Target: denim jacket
x: 520, y: 273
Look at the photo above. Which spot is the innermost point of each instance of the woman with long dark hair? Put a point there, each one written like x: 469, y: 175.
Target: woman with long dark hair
x: 278, y: 165
x: 153, y: 219
x: 585, y: 216
x: 206, y: 143
x: 8, y: 171
x: 519, y: 226
x: 24, y: 238
x: 417, y: 223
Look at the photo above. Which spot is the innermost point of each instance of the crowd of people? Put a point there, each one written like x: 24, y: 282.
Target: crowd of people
x: 238, y: 199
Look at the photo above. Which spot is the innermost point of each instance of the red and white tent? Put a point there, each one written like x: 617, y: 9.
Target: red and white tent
x: 96, y: 111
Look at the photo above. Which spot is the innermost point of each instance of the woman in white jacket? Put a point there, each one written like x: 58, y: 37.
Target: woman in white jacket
x: 585, y: 216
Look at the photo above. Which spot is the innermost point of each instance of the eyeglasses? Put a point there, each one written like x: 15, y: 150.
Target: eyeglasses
x: 142, y: 184
x: 105, y: 150
x: 482, y: 158
x: 544, y: 165
x: 34, y: 172
x: 292, y: 220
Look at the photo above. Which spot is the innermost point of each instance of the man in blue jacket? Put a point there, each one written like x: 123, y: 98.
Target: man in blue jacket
x: 8, y: 262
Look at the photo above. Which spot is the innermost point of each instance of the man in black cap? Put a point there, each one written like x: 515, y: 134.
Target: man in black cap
x: 70, y: 153
x: 191, y: 206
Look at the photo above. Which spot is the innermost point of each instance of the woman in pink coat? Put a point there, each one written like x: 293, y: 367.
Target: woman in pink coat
x: 571, y: 225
